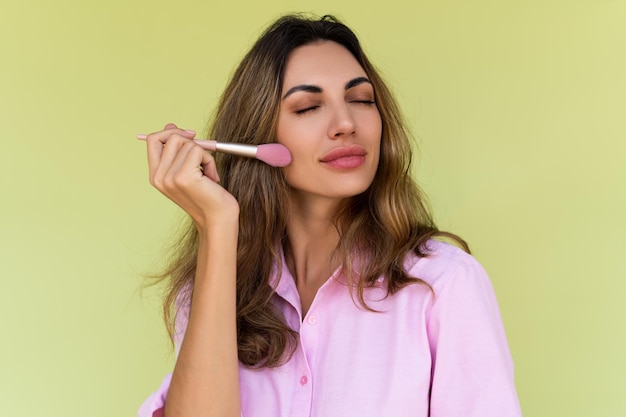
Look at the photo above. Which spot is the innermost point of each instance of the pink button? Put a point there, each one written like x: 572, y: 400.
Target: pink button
x: 304, y: 380
x: 312, y: 320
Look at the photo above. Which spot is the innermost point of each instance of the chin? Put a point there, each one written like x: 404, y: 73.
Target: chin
x: 348, y: 192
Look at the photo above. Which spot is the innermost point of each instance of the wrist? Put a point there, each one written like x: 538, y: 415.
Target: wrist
x: 218, y: 230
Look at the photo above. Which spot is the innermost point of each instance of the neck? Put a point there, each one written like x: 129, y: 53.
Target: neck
x: 311, y: 242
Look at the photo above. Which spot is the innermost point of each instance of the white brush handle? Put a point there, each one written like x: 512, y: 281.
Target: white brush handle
x: 241, y: 149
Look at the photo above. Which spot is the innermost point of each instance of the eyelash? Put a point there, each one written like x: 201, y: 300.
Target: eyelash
x: 308, y: 109
x: 368, y: 102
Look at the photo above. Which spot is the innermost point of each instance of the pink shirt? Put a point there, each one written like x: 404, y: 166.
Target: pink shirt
x: 420, y: 356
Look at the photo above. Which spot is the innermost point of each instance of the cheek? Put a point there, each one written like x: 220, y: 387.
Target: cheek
x: 376, y: 135
x: 378, y: 124
x: 297, y: 176
x: 288, y: 134
x: 299, y: 139
x: 301, y: 153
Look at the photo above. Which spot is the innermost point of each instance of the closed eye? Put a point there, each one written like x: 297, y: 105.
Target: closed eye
x: 363, y: 101
x: 307, y: 109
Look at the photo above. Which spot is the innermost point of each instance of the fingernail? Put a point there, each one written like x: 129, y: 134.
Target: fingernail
x: 193, y: 132
x: 142, y: 136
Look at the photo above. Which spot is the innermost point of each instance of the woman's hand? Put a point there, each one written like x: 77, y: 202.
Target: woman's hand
x: 187, y: 175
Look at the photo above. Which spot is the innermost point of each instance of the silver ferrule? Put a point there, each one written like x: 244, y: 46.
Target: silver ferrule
x: 240, y: 149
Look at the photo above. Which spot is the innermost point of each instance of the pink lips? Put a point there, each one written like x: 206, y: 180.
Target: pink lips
x: 346, y: 157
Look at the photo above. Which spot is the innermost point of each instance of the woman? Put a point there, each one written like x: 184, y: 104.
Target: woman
x: 317, y: 289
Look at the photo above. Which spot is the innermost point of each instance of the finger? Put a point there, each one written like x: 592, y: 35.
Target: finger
x: 163, y: 135
x: 168, y: 154
x: 200, y: 162
x: 209, y: 167
x: 186, y: 177
x: 184, y: 166
x: 192, y: 158
x: 155, y: 145
x: 171, y: 126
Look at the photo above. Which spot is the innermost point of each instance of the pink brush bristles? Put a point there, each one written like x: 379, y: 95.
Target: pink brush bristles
x: 274, y: 154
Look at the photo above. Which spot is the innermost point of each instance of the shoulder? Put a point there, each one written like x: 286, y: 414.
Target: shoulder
x: 445, y: 265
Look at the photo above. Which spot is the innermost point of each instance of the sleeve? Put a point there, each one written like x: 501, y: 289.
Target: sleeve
x: 154, y: 405
x: 472, y: 369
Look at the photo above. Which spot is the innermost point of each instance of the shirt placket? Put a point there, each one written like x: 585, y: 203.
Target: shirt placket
x: 307, y: 353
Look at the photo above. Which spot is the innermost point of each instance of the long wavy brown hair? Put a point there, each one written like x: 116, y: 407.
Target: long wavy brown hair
x: 378, y: 227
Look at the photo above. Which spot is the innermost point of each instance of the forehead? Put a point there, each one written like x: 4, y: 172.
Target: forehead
x: 321, y: 63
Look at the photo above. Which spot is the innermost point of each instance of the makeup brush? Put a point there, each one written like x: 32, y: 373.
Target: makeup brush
x: 273, y: 154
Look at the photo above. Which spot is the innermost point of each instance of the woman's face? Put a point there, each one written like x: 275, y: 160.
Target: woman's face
x: 329, y: 121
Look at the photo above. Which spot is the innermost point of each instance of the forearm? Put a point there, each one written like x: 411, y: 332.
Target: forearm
x: 206, y: 380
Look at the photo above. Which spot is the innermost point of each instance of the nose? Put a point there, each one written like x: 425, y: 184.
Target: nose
x: 342, y: 124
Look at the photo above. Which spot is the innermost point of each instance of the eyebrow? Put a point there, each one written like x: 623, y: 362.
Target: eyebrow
x: 315, y: 89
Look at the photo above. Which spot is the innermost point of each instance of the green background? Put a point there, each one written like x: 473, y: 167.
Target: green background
x: 519, y: 110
